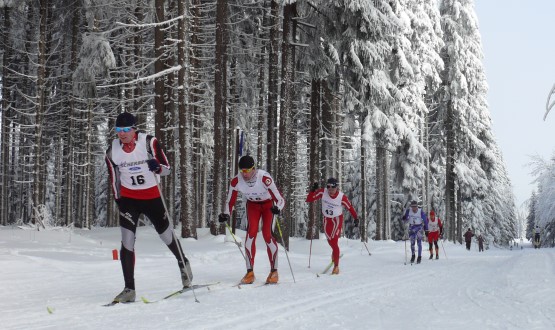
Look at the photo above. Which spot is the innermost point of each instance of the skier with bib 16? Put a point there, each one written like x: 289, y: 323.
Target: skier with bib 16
x: 417, y: 221
x: 134, y: 161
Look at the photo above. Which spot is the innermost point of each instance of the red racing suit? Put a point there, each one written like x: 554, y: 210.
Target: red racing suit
x: 261, y: 193
x: 332, y: 209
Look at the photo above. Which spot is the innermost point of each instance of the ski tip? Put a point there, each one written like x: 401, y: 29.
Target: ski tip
x: 146, y: 301
x: 49, y: 309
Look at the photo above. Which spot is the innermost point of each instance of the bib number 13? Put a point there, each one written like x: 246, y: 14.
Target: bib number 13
x: 139, y: 179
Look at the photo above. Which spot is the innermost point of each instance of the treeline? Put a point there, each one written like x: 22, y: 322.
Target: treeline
x: 387, y: 96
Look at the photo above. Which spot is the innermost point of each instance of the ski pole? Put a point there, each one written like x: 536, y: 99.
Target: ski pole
x: 181, y: 254
x: 236, y: 243
x: 443, y: 247
x: 366, y: 246
x: 286, y: 254
x: 310, y: 250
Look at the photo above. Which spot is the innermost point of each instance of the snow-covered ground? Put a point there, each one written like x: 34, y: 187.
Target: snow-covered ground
x: 72, y: 274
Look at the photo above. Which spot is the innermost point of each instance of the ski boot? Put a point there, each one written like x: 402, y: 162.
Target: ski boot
x: 437, y: 256
x: 418, y: 259
x: 248, y: 278
x: 335, y: 270
x: 431, y: 256
x: 412, y: 259
x: 127, y: 295
x: 186, y: 274
x: 272, y: 277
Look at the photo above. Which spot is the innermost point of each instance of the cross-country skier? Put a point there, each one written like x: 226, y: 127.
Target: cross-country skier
x: 468, y: 238
x: 333, y: 202
x: 134, y: 161
x: 417, y: 221
x: 435, y: 230
x: 263, y: 201
x: 537, y: 232
x: 480, y: 243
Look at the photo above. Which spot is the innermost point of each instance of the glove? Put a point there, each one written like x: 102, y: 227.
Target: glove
x: 153, y: 165
x: 426, y: 232
x: 275, y: 210
x: 314, y: 187
x: 117, y: 201
x: 355, y: 222
x: 223, y: 217
x: 441, y: 235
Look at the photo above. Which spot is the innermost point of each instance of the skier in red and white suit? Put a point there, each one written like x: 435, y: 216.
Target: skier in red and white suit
x: 258, y: 187
x: 333, y: 202
x: 435, y: 228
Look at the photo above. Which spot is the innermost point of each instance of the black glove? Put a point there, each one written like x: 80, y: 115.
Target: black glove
x: 441, y: 234
x: 314, y: 187
x: 223, y: 217
x: 117, y: 201
x: 275, y: 210
x: 153, y: 165
x: 426, y: 232
x: 355, y: 222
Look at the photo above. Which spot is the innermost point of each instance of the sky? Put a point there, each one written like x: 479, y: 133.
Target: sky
x: 60, y: 278
x: 517, y: 41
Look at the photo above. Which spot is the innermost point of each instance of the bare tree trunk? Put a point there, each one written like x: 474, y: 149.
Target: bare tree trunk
x: 286, y: 145
x: 450, y: 209
x: 89, y: 193
x: 38, y: 180
x: 188, y: 223
x: 273, y: 77
x: 363, y: 224
x: 381, y: 183
x: 5, y: 128
x: 312, y: 231
x: 159, y: 88
x: 220, y: 101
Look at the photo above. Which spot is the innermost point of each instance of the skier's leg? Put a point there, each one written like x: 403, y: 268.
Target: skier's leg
x: 128, y: 219
x: 268, y: 225
x: 253, y: 222
x: 332, y: 229
x: 156, y: 212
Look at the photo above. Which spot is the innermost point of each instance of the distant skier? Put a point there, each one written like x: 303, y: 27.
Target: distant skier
x: 480, y: 243
x: 435, y: 228
x: 417, y: 221
x: 333, y: 202
x: 468, y: 238
x: 134, y: 160
x: 264, y: 201
x: 537, y: 237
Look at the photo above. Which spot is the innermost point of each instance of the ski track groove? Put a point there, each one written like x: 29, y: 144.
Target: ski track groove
x: 300, y: 306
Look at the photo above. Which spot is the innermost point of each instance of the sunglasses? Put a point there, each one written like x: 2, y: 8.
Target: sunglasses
x: 247, y: 170
x: 331, y: 186
x: 123, y: 129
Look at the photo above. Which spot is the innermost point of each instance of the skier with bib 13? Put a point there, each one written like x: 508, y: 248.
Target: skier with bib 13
x: 134, y: 161
x: 417, y: 221
x: 333, y: 202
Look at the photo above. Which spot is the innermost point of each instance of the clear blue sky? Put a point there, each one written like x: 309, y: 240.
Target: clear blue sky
x: 519, y: 60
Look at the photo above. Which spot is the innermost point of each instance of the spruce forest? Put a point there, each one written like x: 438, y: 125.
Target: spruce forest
x: 388, y: 96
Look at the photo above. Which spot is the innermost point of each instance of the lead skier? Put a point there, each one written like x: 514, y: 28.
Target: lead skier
x: 134, y: 161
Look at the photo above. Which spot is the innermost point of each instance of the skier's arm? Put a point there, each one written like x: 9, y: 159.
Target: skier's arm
x: 347, y: 204
x: 424, y: 220
x: 274, y: 192
x: 314, y: 195
x: 231, y: 196
x: 160, y: 156
x: 113, y: 172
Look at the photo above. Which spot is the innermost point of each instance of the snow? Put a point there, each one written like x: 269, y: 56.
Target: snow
x: 72, y: 274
